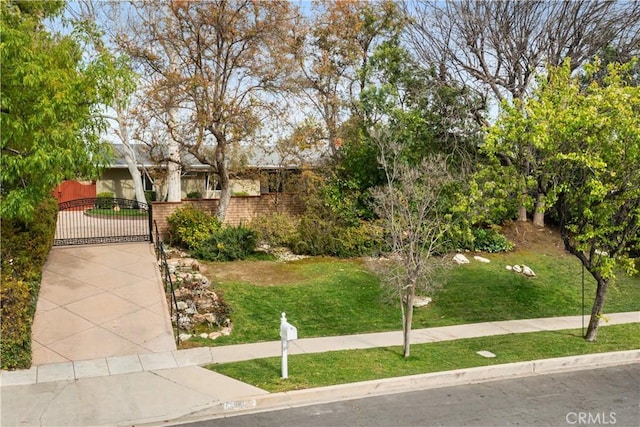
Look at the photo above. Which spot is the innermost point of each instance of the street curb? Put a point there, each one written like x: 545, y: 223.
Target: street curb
x: 329, y: 394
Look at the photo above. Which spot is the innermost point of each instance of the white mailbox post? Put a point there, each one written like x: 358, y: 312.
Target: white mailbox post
x: 288, y: 332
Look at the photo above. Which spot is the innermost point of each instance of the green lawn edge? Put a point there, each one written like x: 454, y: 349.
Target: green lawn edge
x: 342, y: 367
x: 333, y: 297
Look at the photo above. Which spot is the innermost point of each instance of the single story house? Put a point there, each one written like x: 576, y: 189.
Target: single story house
x: 258, y: 170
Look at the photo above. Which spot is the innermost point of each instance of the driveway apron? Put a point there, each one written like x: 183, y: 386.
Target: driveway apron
x: 100, y: 301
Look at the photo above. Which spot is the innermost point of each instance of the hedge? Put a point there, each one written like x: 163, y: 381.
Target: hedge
x: 25, y: 248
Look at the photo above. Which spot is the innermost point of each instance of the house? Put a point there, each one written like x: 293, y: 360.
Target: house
x: 259, y: 170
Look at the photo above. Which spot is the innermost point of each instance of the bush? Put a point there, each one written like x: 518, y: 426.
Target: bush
x: 104, y: 200
x: 275, y: 229
x: 150, y: 196
x: 194, y: 195
x: 25, y: 247
x: 227, y: 244
x: 189, y: 227
x: 489, y: 240
x: 319, y: 236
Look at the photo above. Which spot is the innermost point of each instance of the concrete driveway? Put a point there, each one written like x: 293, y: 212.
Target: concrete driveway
x: 100, y: 301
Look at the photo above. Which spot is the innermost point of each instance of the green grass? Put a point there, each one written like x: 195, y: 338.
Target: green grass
x: 324, y: 296
x: 341, y: 367
x: 329, y: 297
x: 122, y: 212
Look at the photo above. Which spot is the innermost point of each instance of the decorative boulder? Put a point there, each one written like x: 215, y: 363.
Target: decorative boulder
x: 517, y: 268
x: 184, y: 337
x: 461, y: 259
x: 528, y: 271
x: 481, y: 259
x: 421, y: 301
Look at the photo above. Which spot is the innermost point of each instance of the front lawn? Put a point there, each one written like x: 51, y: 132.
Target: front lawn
x: 326, y: 296
x: 341, y: 367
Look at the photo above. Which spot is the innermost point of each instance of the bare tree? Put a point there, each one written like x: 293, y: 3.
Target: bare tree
x: 410, y: 205
x: 498, y: 46
x: 121, y: 82
x: 217, y: 64
x: 333, y: 50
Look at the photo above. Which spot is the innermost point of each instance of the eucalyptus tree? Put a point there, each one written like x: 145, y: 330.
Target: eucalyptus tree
x: 107, y: 18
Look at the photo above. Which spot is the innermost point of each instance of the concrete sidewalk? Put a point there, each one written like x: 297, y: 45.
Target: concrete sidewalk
x: 155, y: 388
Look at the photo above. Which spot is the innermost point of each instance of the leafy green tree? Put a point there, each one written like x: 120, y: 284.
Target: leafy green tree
x: 498, y: 47
x: 431, y: 117
x: 588, y: 144
x: 49, y: 109
x: 404, y: 127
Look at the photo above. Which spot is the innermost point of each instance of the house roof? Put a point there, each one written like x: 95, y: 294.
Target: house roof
x: 256, y: 157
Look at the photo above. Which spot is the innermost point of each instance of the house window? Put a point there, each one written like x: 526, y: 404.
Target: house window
x: 147, y: 183
x: 209, y: 182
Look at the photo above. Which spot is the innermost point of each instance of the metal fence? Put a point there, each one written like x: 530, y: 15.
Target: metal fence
x: 103, y: 220
x: 169, y: 288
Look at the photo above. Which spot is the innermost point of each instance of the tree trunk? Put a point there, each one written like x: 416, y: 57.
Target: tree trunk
x: 538, y: 214
x: 522, y: 214
x: 130, y: 157
x: 174, y: 189
x: 522, y: 210
x: 408, y: 319
x: 596, y: 310
x: 223, y: 177
x: 174, y: 168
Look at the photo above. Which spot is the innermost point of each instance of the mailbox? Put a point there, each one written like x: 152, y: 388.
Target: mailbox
x: 288, y: 332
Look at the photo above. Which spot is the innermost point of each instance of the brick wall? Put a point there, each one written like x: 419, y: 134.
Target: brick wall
x: 240, y: 209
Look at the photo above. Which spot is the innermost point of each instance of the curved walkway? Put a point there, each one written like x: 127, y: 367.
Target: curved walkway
x: 100, y: 301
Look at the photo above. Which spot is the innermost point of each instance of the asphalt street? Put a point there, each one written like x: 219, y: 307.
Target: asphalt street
x: 606, y: 396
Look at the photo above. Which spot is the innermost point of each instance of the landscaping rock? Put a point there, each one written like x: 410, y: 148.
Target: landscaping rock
x: 421, y: 301
x: 197, y: 303
x: 461, y: 259
x: 481, y: 259
x: 528, y: 271
x: 523, y: 269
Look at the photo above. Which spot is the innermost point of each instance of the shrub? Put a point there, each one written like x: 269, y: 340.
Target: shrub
x: 189, y: 227
x: 194, y: 195
x: 150, y: 196
x: 489, y: 240
x: 315, y: 236
x: 25, y: 247
x: 227, y: 244
x: 367, y: 238
x: 320, y: 236
x: 275, y: 229
x: 104, y: 200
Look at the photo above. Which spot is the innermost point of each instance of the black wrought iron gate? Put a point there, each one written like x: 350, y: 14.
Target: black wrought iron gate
x: 103, y: 220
